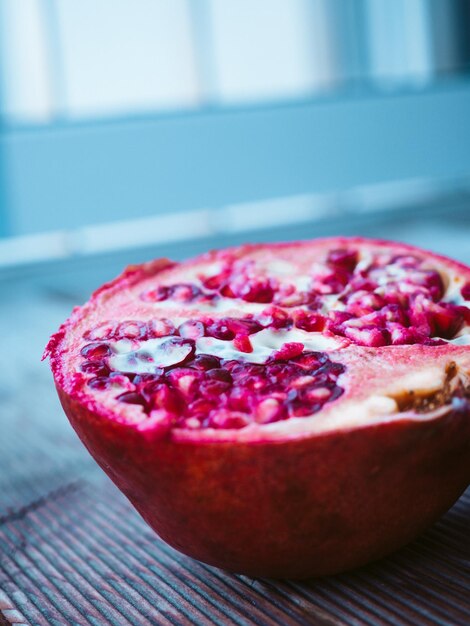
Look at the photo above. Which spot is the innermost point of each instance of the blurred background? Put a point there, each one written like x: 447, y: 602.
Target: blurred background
x: 132, y: 129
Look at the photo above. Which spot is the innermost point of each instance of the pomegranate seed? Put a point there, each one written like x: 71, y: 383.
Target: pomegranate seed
x: 156, y: 295
x: 185, y: 292
x: 209, y: 388
x: 346, y: 259
x: 372, y: 337
x: 446, y: 319
x: 201, y: 407
x: 95, y: 351
x: 161, y: 328
x: 274, y: 317
x: 100, y: 382
x: 103, y: 331
x: 98, y: 368
x: 192, y: 329
x: 243, y: 343
x: 288, y: 351
x: 243, y: 326
x: 310, y: 360
x: 215, y: 282
x: 165, y: 397
x: 131, y: 397
x: 311, y: 322
x: 228, y: 419
x: 465, y: 291
x: 256, y: 291
x: 270, y: 410
x: 132, y: 329
x: 205, y: 362
x: 219, y: 330
x: 220, y: 374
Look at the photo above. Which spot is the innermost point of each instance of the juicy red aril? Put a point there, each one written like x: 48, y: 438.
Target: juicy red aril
x: 257, y: 291
x: 95, y: 351
x: 243, y: 326
x: 219, y: 330
x: 274, y: 317
x: 205, y: 362
x: 227, y: 419
x: 243, y: 343
x: 156, y: 295
x: 311, y: 322
x: 161, y: 328
x: 185, y: 292
x: 191, y: 329
x: 465, y: 291
x: 210, y: 388
x: 220, y: 374
x: 131, y: 398
x: 446, y: 319
x: 132, y: 329
x: 98, y: 368
x: 343, y: 258
x: 181, y: 292
x: 168, y: 398
x: 100, y: 382
x: 103, y: 331
x: 288, y: 351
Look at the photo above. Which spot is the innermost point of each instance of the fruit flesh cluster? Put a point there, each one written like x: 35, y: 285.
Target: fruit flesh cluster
x: 206, y: 391
x: 384, y: 300
x: 388, y: 299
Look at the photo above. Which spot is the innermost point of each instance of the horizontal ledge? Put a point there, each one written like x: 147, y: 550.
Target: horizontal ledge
x: 240, y: 220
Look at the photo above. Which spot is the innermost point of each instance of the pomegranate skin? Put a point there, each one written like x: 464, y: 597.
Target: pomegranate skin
x: 295, y: 509
x: 307, y: 496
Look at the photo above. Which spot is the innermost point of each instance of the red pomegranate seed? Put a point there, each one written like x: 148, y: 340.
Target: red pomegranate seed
x: 165, y: 397
x: 100, y: 382
x: 465, y: 291
x: 372, y: 337
x: 244, y: 326
x: 95, y: 351
x: 98, y: 368
x: 446, y: 319
x: 205, y: 362
x: 274, y: 317
x: 228, y: 419
x: 288, y: 351
x: 346, y: 259
x: 132, y: 329
x: 103, y: 331
x: 219, y: 330
x: 161, y: 328
x: 192, y: 329
x: 155, y: 295
x: 243, y: 343
x: 131, y: 397
x: 311, y: 322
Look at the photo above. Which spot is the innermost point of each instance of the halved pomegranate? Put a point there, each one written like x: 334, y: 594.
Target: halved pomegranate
x: 286, y: 410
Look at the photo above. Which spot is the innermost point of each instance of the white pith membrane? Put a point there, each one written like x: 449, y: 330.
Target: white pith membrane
x: 374, y: 380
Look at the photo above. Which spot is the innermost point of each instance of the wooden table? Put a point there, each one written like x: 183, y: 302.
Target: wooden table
x: 73, y: 550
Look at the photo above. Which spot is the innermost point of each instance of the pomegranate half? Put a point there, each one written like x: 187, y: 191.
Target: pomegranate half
x: 285, y: 410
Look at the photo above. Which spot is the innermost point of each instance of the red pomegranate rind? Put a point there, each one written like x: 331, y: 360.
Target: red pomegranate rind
x: 308, y: 374
x: 309, y: 507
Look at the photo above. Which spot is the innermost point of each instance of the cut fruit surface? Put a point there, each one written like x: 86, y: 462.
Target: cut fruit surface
x: 345, y: 361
